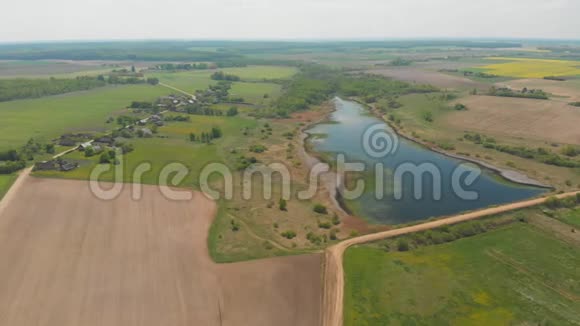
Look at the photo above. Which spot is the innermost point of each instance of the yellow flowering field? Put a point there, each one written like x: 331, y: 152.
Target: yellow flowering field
x: 532, y: 68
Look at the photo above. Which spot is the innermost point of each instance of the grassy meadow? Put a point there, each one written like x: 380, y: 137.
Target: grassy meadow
x: 189, y: 81
x: 517, y: 275
x: 258, y: 73
x: 171, y: 146
x: 6, y: 181
x: 49, y: 117
x: 571, y: 217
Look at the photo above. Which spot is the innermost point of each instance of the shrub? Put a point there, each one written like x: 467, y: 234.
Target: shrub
x: 257, y: 148
x: 336, y: 219
x: 460, y: 107
x: 402, y: 245
x: 552, y: 202
x: 315, y: 239
x: 282, y: 204
x: 288, y: 235
x: 324, y: 225
x: 235, y: 225
x: 332, y: 234
x: 267, y: 245
x: 320, y: 209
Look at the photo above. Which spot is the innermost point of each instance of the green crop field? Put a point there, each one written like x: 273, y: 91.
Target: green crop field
x: 189, y: 81
x: 6, y: 181
x: 516, y: 275
x: 172, y: 146
x: 254, y: 92
x: 261, y: 72
x: 46, y: 69
x: 49, y: 117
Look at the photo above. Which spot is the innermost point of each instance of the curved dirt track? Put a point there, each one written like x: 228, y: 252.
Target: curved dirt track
x: 333, y: 296
x: 68, y: 258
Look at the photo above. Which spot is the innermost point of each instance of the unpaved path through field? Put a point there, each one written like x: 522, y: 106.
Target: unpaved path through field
x: 333, y: 296
x: 175, y: 89
x: 11, y: 193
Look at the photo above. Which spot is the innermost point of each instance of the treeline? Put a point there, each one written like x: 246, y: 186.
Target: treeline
x: 119, y: 80
x: 448, y: 233
x: 121, y: 50
x: 312, y: 86
x: 14, y: 89
x: 524, y: 93
x: 206, y: 137
x: 540, y: 154
x: 316, y: 84
x: 10, y: 162
x: 198, y: 109
x: 183, y: 66
x: 220, y: 75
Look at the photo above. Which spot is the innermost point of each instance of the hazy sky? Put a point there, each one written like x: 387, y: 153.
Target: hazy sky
x: 25, y: 20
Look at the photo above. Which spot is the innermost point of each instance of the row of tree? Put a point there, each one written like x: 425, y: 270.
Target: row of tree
x: 13, y: 89
x: 183, y: 66
x: 206, y: 137
x: 220, y: 75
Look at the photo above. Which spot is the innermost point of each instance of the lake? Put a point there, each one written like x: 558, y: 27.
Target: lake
x: 439, y: 193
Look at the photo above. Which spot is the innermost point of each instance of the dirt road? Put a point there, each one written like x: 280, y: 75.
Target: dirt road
x: 333, y: 296
x: 176, y: 89
x: 11, y: 193
x: 68, y: 258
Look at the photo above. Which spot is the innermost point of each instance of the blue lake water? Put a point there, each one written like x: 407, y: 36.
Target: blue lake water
x: 345, y: 135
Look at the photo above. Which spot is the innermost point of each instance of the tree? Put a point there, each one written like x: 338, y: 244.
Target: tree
x: 133, y: 69
x: 192, y: 137
x: 105, y: 158
x: 49, y: 148
x: 152, y: 81
x: 282, y: 204
x: 216, y: 132
x: 89, y: 151
x: 232, y: 111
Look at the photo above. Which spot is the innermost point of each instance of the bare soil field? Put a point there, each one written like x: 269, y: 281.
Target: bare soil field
x: 544, y: 120
x: 424, y: 76
x: 68, y: 258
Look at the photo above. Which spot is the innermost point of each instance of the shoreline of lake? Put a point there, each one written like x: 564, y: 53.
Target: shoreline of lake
x: 509, y: 175
x: 312, y: 156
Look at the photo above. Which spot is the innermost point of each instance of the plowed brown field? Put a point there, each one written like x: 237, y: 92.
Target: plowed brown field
x: 68, y: 258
